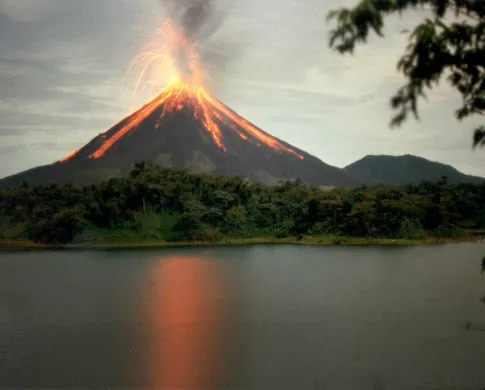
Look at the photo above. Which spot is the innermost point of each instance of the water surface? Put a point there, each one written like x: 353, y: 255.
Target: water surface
x: 260, y: 317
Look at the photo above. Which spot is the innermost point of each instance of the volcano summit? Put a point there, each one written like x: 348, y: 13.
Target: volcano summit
x: 184, y: 126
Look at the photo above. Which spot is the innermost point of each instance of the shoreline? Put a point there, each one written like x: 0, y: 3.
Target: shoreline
x: 306, y: 240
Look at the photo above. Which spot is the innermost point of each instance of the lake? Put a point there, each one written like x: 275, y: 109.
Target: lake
x: 256, y: 317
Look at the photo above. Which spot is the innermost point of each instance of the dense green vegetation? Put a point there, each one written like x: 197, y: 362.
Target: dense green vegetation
x: 159, y: 204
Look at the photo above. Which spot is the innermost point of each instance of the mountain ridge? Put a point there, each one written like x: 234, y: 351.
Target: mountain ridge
x: 406, y: 169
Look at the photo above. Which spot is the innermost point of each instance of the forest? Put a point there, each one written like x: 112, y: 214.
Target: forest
x: 156, y: 203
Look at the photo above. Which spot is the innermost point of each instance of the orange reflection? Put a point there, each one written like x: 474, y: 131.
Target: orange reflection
x: 184, y: 319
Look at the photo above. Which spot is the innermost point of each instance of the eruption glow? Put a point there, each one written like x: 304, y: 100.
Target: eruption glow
x: 170, y: 62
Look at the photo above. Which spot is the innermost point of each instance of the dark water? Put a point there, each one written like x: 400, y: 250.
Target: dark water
x: 263, y: 317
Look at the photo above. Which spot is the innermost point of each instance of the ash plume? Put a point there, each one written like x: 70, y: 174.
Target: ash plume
x: 200, y: 20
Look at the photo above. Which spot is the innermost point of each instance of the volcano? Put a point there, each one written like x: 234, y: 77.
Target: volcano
x: 186, y: 128
x: 183, y: 126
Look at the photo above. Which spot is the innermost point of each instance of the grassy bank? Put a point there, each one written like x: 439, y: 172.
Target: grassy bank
x: 305, y: 240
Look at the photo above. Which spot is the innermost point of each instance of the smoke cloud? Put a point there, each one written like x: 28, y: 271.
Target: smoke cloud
x: 200, y: 21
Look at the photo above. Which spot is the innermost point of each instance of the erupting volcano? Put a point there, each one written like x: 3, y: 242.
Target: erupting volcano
x: 209, y: 113
x: 183, y: 126
x: 184, y: 93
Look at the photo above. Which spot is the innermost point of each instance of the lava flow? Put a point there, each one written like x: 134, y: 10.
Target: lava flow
x: 170, y: 53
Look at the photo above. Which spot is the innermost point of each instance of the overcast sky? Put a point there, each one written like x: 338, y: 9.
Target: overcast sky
x: 62, y: 65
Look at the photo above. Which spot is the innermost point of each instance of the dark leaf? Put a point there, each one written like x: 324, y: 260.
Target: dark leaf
x: 479, y: 137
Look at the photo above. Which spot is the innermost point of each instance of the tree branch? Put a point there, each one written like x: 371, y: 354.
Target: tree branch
x: 434, y: 47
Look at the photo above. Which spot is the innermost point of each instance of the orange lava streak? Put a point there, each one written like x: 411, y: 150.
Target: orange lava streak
x: 69, y: 156
x: 250, y: 128
x: 132, y: 122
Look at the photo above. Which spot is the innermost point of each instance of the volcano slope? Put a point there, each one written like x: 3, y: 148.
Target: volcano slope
x: 188, y: 129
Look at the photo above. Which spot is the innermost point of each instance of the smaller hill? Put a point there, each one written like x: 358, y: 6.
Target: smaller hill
x: 407, y: 169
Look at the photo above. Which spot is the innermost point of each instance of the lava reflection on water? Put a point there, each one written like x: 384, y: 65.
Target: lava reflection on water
x: 185, y: 324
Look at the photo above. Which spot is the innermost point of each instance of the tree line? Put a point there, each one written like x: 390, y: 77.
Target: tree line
x: 199, y: 207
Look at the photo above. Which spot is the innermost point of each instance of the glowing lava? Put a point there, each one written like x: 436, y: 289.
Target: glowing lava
x: 170, y: 53
x: 70, y: 155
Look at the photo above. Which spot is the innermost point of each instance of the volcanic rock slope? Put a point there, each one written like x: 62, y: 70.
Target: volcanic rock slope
x: 180, y: 139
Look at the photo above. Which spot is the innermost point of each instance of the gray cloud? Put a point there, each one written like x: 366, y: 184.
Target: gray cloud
x: 193, y: 16
x: 27, y: 10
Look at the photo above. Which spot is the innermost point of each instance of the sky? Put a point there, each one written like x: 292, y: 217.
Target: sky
x: 63, y: 66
